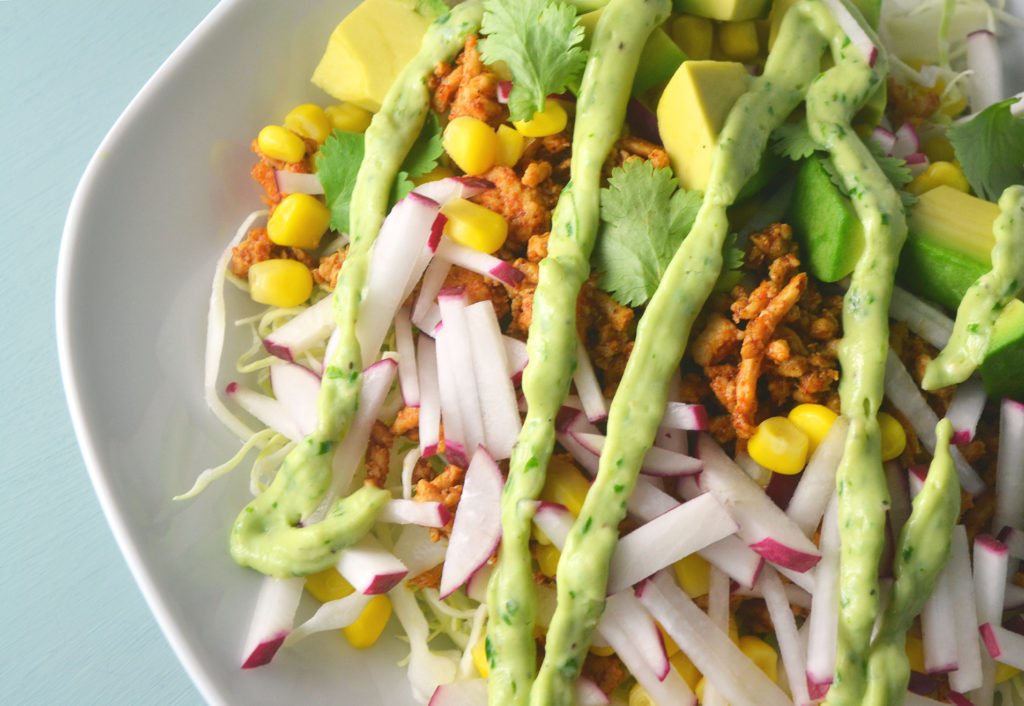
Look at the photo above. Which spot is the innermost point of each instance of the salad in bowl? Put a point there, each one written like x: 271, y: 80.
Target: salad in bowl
x: 637, y: 351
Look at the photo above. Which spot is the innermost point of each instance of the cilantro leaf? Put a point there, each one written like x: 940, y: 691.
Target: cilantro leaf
x: 539, y: 41
x: 336, y: 167
x: 342, y: 154
x: 990, y: 148
x: 732, y: 261
x: 644, y: 219
x: 793, y: 140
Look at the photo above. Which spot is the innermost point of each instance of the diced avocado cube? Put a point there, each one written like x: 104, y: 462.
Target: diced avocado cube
x: 731, y: 10
x: 660, y: 57
x: 825, y: 224
x: 937, y: 272
x: 370, y: 47
x: 1001, y: 369
x: 692, y: 111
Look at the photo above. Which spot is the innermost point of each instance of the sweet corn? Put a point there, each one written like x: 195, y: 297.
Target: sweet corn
x: 309, y: 120
x: 474, y: 226
x: 914, y: 648
x: 814, y: 420
x: 479, y: 654
x: 638, y: 696
x: 280, y: 143
x: 694, y: 36
x: 779, y: 445
x: 694, y: 574
x: 549, y: 121
x: 602, y: 651
x: 687, y: 670
x: 738, y: 40
x: 299, y: 221
x: 348, y: 117
x: 939, y: 174
x: 471, y: 143
x: 762, y: 654
x: 280, y: 282
x: 565, y: 484
x: 547, y: 556
x: 511, y: 144
x: 370, y: 624
x: 894, y: 437
x: 1005, y: 672
x: 328, y: 585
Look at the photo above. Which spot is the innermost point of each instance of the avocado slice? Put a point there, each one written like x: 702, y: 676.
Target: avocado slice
x: 824, y: 222
x: 660, y: 57
x: 1001, y: 369
x: 729, y: 10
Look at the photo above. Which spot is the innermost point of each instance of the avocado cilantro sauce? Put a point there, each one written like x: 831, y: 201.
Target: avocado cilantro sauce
x: 512, y: 603
x: 268, y: 535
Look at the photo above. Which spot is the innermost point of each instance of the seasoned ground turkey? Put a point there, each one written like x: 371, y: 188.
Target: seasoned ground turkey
x: 257, y: 247
x: 467, y: 88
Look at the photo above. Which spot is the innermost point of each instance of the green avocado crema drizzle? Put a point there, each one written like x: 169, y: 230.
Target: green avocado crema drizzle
x: 923, y: 549
x: 985, y: 299
x: 792, y: 69
x: 511, y: 596
x: 268, y: 534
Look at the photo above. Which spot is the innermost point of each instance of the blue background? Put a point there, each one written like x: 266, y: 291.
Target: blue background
x: 74, y: 628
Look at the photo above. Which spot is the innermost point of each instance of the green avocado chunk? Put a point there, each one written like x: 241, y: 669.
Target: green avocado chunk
x: 660, y: 57
x: 825, y: 224
x: 1000, y: 371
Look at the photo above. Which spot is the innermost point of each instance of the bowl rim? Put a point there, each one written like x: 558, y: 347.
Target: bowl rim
x: 71, y: 241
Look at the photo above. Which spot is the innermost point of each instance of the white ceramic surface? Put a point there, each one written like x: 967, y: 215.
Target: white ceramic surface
x: 160, y: 199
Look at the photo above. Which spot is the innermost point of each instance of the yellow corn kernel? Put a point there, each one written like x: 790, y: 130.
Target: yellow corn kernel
x: 762, y: 654
x: 280, y: 282
x: 565, y: 484
x: 694, y: 574
x: 779, y: 445
x: 479, y: 654
x: 299, y: 221
x: 309, y: 120
x: 689, y: 673
x: 549, y: 121
x: 1005, y: 672
x: 954, y: 101
x: 915, y: 653
x: 436, y: 174
x: 471, y: 143
x: 602, y: 651
x: 894, y: 437
x: 511, y: 144
x: 939, y: 149
x: 638, y: 696
x: 738, y: 40
x: 671, y: 648
x: 699, y: 690
x: 939, y: 174
x: 348, y: 117
x: 694, y: 35
x: 280, y: 143
x: 474, y: 226
x: 814, y: 420
x: 370, y: 624
x: 547, y: 556
x: 328, y: 585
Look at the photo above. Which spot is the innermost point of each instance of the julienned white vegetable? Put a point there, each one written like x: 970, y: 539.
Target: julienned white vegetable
x: 902, y: 391
x: 430, y: 396
x: 477, y: 527
x: 968, y: 674
x: 990, y: 565
x: 479, y: 262
x: 473, y: 692
x: 332, y: 615
x: 965, y: 409
x: 411, y: 512
x: 515, y: 353
x: 451, y: 408
x: 297, y: 388
x: 985, y: 83
x: 272, y: 619
x: 587, y: 386
x: 763, y: 525
x: 454, y: 340
x: 688, y: 417
x: 921, y: 317
x: 266, y: 409
x: 497, y: 396
x: 426, y: 669
x: 416, y: 550
x: 411, y: 228
x: 370, y: 568
x: 408, y: 378
x: 790, y: 645
x: 657, y: 461
x: 938, y: 625
x: 425, y: 313
x: 823, y: 621
x: 444, y: 190
x: 854, y: 31
x: 818, y: 481
x: 1010, y: 468
x: 298, y: 183
x: 711, y: 651
x: 307, y: 329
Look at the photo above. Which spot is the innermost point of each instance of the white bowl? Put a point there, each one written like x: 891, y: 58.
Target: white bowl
x: 160, y: 199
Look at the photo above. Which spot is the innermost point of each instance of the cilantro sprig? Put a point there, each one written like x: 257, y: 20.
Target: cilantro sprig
x: 644, y: 219
x: 342, y: 153
x: 990, y: 149
x: 539, y: 41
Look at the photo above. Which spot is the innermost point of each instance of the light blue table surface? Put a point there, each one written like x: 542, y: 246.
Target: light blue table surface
x: 74, y: 628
